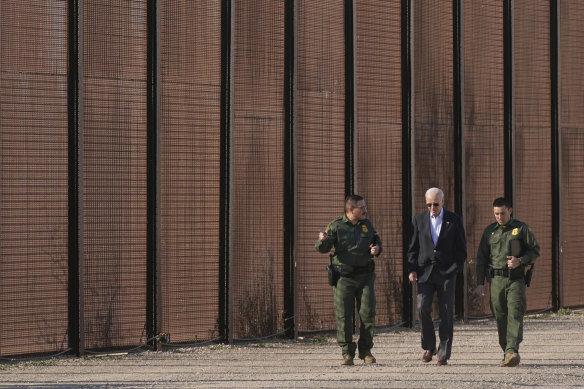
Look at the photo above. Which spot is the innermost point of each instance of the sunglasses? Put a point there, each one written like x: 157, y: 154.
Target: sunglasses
x: 429, y: 205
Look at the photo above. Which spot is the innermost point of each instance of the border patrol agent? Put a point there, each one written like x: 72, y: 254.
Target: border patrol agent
x: 351, y: 273
x: 506, y: 248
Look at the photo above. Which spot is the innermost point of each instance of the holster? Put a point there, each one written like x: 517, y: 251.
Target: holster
x: 528, y: 275
x: 332, y: 274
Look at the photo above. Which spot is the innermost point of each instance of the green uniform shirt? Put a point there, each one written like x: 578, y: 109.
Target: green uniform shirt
x: 495, y: 246
x: 351, y: 242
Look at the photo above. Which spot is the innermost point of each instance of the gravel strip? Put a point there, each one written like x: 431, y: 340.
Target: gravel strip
x: 551, y: 357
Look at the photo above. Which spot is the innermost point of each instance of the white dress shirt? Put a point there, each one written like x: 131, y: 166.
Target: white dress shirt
x: 436, y: 225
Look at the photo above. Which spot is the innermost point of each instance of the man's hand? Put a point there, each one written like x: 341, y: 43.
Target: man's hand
x: 374, y: 249
x: 413, y: 277
x: 322, y: 235
x: 513, y: 262
x: 481, y: 290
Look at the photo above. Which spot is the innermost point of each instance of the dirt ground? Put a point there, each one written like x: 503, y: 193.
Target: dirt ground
x: 552, y: 356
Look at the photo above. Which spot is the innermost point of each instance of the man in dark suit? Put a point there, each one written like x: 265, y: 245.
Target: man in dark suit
x: 437, y: 252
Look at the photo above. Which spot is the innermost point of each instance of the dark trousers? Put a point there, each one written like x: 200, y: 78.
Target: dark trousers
x: 444, y: 287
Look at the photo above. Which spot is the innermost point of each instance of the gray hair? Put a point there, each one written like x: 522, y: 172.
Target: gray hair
x: 432, y: 191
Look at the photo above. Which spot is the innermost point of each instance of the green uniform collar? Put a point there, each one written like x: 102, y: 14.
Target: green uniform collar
x: 512, y: 224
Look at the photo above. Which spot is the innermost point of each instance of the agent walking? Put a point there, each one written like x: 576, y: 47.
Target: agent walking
x: 355, y: 242
x: 506, y: 248
x: 436, y: 253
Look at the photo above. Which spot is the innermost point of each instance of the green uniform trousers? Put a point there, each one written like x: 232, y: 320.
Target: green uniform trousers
x: 508, y: 304
x: 348, y: 291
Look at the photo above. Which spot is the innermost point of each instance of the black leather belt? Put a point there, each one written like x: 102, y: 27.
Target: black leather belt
x: 351, y: 271
x: 501, y: 272
x: 514, y: 274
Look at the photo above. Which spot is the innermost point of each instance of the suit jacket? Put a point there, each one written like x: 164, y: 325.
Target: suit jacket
x: 449, y: 253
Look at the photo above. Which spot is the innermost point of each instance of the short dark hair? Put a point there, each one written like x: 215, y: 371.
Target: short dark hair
x: 352, y: 200
x: 502, y: 202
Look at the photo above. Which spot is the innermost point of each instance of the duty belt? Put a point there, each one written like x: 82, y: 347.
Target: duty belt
x: 351, y: 271
x: 501, y: 272
x: 513, y: 274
